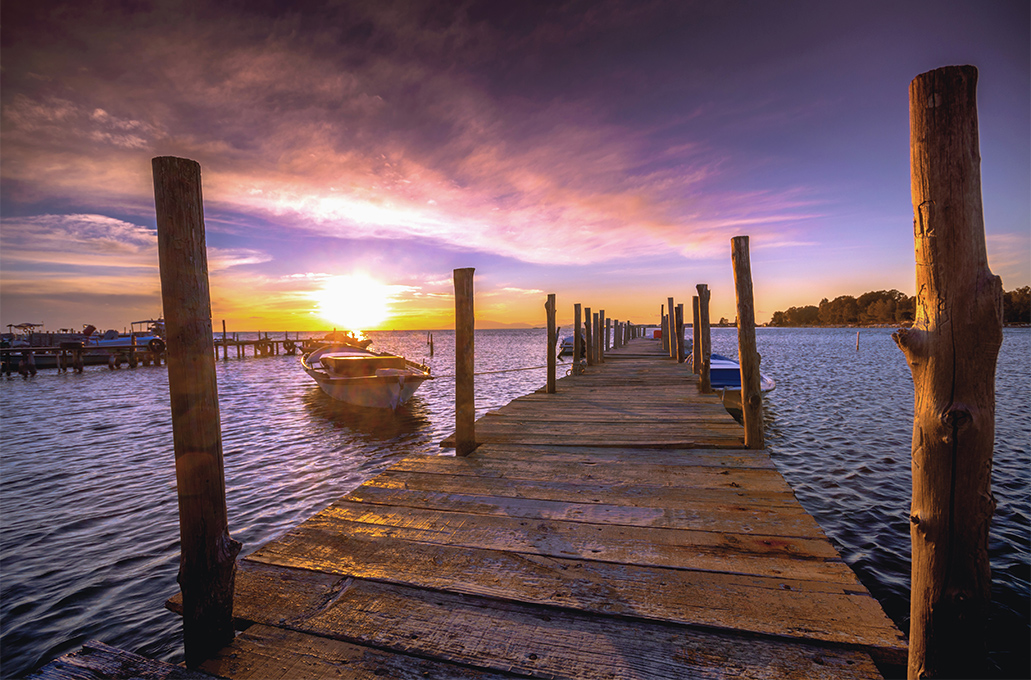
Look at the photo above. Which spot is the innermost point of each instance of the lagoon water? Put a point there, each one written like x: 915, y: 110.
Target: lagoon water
x: 88, y: 517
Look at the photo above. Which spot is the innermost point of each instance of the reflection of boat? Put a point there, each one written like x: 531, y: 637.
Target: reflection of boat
x: 725, y: 378
x: 364, y: 378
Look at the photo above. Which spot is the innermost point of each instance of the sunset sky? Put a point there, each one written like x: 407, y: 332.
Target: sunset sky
x: 603, y: 151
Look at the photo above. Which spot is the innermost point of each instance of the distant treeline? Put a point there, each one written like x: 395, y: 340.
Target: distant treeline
x: 885, y: 307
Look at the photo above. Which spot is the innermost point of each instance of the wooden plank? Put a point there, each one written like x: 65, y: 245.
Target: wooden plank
x: 96, y: 660
x: 486, y: 633
x: 811, y: 610
x: 589, y: 455
x: 272, y: 653
x: 617, y: 494
x: 738, y: 519
x: 646, y: 474
x: 784, y: 557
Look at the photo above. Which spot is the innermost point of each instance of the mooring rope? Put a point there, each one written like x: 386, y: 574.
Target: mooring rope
x: 504, y: 370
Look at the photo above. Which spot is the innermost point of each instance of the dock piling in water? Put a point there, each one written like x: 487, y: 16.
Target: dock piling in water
x: 748, y: 356
x: 704, y: 339
x: 465, y: 398
x: 952, y: 350
x: 549, y: 307
x: 207, y: 567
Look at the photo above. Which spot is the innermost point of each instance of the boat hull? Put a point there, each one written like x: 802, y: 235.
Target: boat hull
x: 388, y: 388
x: 372, y: 392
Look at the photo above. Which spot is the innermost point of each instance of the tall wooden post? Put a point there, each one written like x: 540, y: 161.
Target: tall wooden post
x: 207, y: 565
x: 696, y: 333
x: 704, y: 338
x: 680, y: 333
x: 596, y: 337
x: 589, y: 336
x: 225, y: 345
x: 465, y: 400
x: 952, y: 350
x: 603, y: 335
x: 665, y: 328
x: 751, y: 397
x: 577, y: 340
x: 549, y: 307
x: 670, y: 324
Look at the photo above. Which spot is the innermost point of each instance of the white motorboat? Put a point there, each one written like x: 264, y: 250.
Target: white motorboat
x: 362, y: 377
x: 725, y: 379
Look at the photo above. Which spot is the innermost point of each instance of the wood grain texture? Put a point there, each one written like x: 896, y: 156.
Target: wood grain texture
x: 97, y: 661
x: 491, y: 634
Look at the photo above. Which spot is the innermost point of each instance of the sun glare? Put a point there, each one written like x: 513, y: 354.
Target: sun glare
x: 354, y: 303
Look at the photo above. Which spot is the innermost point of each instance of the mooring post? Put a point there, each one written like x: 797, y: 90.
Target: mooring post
x: 680, y: 333
x: 207, y: 567
x: 665, y: 328
x: 465, y: 400
x: 603, y: 335
x: 225, y: 345
x: 952, y: 350
x: 577, y: 340
x: 589, y: 336
x: 704, y: 338
x: 751, y: 396
x: 549, y: 307
x: 671, y: 324
x: 596, y: 337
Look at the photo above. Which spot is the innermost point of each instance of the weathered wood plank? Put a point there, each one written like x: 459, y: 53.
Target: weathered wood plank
x: 272, y: 653
x: 738, y: 519
x: 812, y: 610
x: 645, y: 474
x: 719, y: 458
x: 97, y: 661
x: 487, y: 633
x: 584, y: 492
x: 785, y: 557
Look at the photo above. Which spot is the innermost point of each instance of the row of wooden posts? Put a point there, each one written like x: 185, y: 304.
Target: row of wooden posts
x: 952, y: 349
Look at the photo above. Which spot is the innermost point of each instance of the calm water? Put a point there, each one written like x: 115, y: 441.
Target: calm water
x: 88, y: 525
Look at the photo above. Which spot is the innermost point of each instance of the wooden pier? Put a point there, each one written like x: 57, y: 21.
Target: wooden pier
x: 614, y: 529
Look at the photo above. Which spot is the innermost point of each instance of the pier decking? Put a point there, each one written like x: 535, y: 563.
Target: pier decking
x: 614, y: 529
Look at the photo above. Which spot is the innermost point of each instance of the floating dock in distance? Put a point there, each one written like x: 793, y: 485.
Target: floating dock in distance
x: 614, y: 529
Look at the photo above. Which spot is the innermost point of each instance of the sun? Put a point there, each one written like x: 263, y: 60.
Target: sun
x: 354, y: 302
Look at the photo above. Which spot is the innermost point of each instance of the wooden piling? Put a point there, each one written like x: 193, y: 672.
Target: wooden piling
x: 603, y: 335
x: 665, y: 328
x: 589, y: 336
x: 577, y: 341
x: 549, y: 307
x: 680, y: 333
x: 671, y: 324
x: 465, y: 400
x: 207, y: 566
x: 596, y: 337
x: 225, y: 345
x: 751, y: 396
x: 704, y: 339
x: 952, y: 350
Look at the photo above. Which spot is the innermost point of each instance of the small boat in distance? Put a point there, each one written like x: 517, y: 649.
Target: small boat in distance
x: 725, y: 378
x: 361, y: 377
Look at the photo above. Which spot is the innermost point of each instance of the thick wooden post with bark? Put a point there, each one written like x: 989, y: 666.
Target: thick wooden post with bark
x: 577, y: 341
x: 465, y: 400
x: 549, y: 306
x: 207, y: 566
x: 952, y: 350
x: 751, y: 396
x: 705, y: 338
